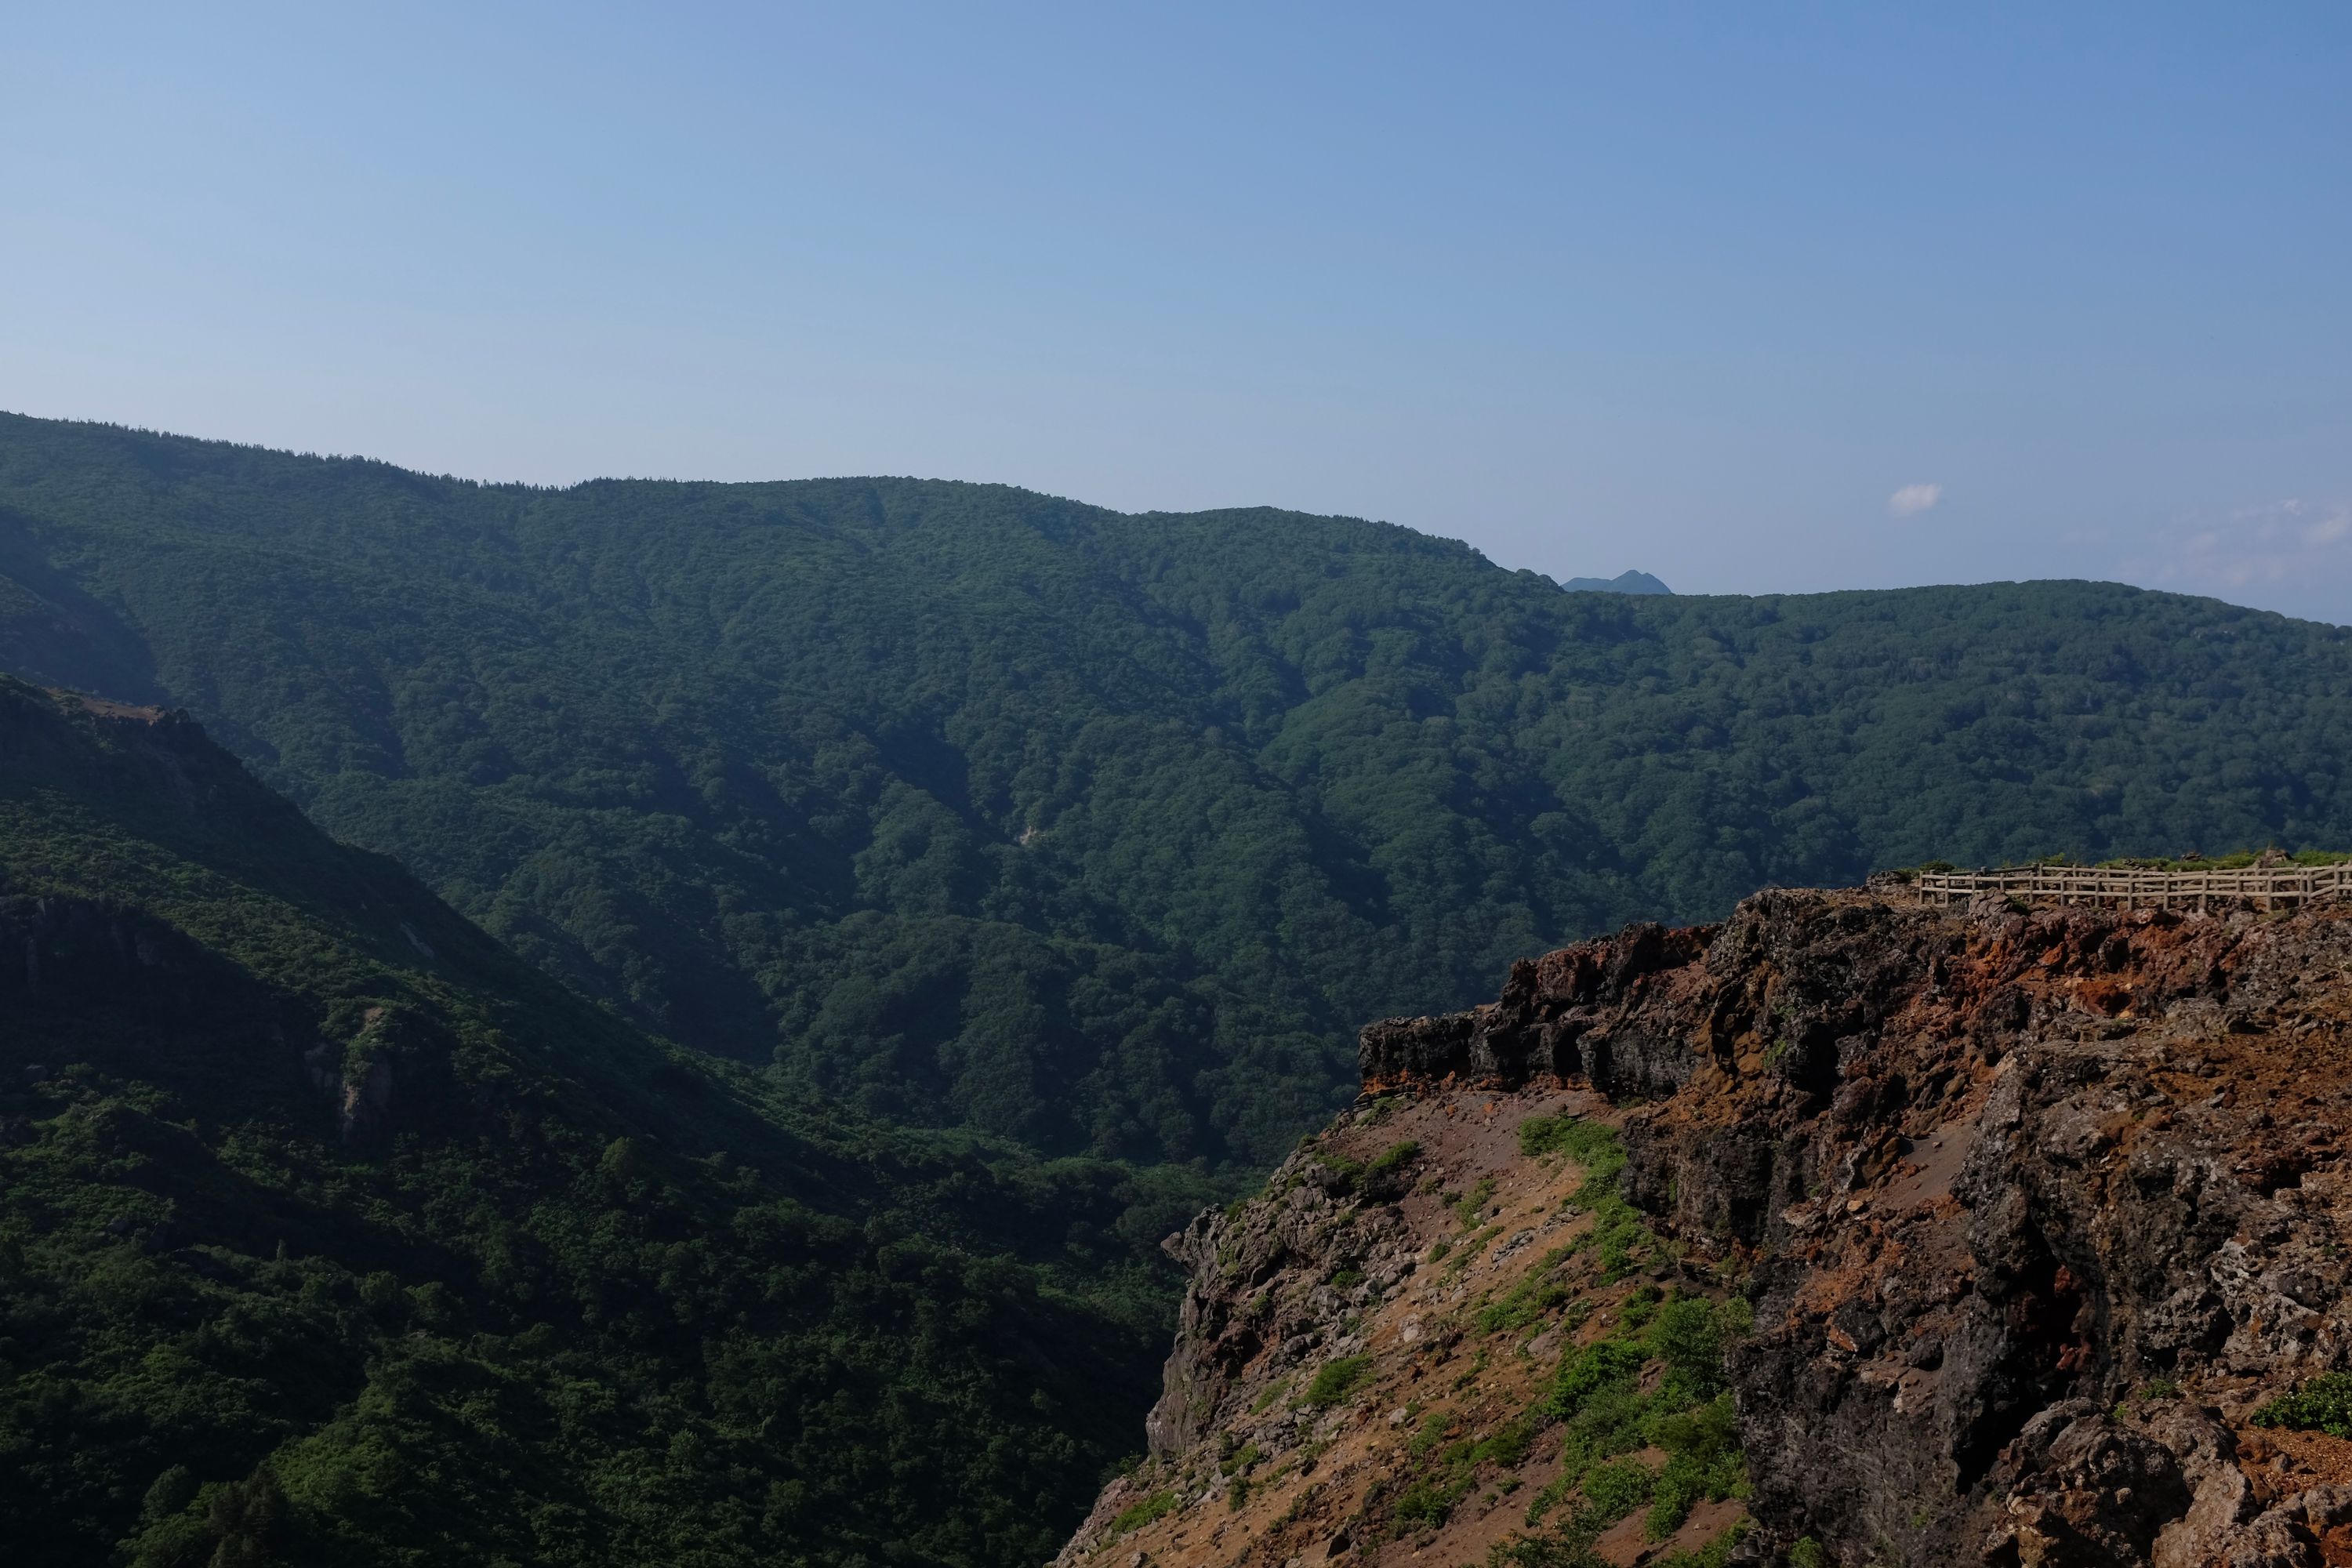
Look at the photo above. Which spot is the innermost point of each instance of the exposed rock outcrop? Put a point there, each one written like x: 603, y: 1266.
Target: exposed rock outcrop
x: 2034, y: 1209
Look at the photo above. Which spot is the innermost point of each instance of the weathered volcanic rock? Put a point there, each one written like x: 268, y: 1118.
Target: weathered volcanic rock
x: 2034, y: 1206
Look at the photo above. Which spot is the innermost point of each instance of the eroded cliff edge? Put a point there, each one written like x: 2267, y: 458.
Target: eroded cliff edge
x: 2010, y: 1222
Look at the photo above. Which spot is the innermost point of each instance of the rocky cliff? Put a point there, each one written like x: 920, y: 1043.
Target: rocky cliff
x: 1848, y: 1231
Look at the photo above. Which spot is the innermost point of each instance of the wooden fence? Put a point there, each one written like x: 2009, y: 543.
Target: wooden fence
x: 2266, y: 887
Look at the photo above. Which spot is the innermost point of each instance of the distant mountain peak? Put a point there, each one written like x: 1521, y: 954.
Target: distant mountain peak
x: 1623, y: 583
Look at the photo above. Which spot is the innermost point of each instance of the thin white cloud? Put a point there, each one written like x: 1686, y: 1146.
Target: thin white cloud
x: 1913, y: 499
x: 2307, y: 545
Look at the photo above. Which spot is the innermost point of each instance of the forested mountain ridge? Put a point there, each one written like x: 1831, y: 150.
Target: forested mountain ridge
x: 1626, y: 581
x: 330, y: 1232
x: 1102, y: 832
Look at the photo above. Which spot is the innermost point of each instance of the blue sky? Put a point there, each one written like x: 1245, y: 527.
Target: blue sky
x: 1697, y: 290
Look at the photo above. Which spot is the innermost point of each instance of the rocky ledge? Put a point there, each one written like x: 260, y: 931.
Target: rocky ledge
x: 2004, y: 1236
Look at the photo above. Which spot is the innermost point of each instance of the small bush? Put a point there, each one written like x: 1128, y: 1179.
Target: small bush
x: 1395, y: 1157
x: 1339, y: 1174
x: 1431, y: 1499
x: 1615, y: 1489
x: 1507, y: 1448
x: 2322, y: 1404
x: 1338, y: 1379
x: 1688, y: 1337
x: 1703, y: 1461
x: 1599, y: 1366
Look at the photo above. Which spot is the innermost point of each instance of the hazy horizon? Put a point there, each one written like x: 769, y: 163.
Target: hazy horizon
x: 1563, y: 576
x: 1755, y: 304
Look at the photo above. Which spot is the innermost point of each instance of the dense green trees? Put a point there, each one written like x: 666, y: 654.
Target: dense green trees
x: 1022, y: 870
x: 971, y: 807
x: 329, y: 1232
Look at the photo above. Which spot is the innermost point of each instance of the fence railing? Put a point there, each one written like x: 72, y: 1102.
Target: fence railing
x: 2266, y: 887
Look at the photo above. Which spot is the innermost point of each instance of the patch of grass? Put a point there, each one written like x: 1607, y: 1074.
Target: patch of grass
x: 1429, y: 1500
x: 1585, y: 1142
x: 1508, y: 1446
x: 1465, y: 1207
x: 1549, y: 1496
x: 1336, y: 1380
x: 1615, y: 1489
x: 1657, y: 1382
x: 1453, y: 1475
x: 1467, y: 1253
x: 1395, y: 1157
x: 1429, y: 1435
x: 1535, y: 1296
x: 1619, y: 1234
x: 1159, y: 1505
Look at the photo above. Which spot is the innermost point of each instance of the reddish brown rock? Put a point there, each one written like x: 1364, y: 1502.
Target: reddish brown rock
x: 2035, y: 1207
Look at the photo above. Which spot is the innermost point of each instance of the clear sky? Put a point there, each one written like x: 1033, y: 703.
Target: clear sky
x: 1757, y: 297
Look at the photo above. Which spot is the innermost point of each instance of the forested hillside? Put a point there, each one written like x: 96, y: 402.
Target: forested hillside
x: 1100, y: 832
x: 332, y: 1233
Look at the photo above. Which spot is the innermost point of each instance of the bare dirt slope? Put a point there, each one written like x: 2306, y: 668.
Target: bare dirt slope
x: 1433, y: 1276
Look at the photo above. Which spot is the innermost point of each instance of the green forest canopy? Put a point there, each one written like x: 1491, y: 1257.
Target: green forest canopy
x: 971, y: 807
x: 332, y: 1233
